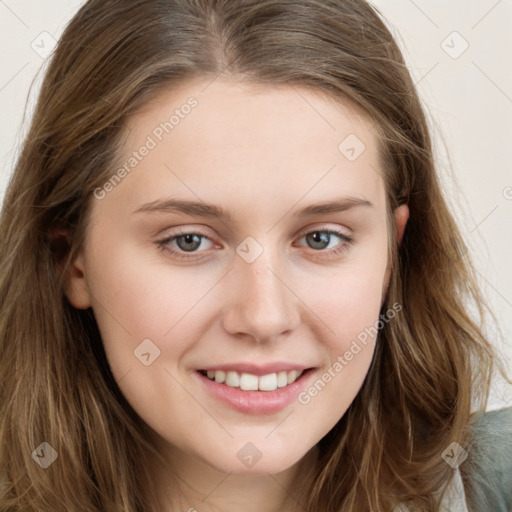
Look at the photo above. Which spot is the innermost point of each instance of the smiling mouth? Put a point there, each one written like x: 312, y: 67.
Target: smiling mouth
x: 251, y: 382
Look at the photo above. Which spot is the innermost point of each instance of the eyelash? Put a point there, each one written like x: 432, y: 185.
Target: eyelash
x: 163, y: 244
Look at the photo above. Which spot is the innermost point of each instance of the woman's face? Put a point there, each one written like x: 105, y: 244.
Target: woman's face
x: 246, y: 237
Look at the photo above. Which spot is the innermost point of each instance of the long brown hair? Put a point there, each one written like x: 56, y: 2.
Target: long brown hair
x: 432, y: 363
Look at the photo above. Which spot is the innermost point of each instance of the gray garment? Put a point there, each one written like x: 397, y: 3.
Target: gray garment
x: 487, y: 471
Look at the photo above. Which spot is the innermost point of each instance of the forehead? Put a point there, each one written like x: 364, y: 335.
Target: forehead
x: 238, y: 140
x: 226, y: 106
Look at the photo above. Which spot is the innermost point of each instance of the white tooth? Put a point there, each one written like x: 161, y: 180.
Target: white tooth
x: 268, y: 382
x: 248, y: 382
x: 232, y: 379
x: 292, y: 375
x: 220, y: 376
x: 282, y: 379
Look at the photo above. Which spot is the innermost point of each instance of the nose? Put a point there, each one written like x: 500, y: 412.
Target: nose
x: 261, y: 303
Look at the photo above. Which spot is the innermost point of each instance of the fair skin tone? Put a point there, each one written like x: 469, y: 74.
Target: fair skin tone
x: 262, y: 153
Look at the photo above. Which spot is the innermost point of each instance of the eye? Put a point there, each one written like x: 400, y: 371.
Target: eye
x: 322, y: 241
x: 186, y: 242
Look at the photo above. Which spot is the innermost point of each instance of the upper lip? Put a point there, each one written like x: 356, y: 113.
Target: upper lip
x: 255, y: 369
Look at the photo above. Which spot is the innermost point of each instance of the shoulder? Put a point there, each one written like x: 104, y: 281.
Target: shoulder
x: 487, y: 471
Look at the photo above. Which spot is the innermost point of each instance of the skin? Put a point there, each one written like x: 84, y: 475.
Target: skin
x: 262, y: 153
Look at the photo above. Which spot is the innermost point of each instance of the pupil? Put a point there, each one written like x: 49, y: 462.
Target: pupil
x: 320, y: 238
x: 189, y: 239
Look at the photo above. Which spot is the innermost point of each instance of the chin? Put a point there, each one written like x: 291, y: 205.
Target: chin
x: 249, y: 460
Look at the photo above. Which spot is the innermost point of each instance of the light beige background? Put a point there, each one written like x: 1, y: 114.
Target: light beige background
x: 459, y: 54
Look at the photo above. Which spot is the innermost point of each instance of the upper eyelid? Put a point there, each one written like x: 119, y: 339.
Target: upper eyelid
x: 195, y: 231
x: 322, y: 229
x: 203, y: 231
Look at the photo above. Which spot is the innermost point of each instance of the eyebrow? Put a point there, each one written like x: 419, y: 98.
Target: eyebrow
x: 202, y: 209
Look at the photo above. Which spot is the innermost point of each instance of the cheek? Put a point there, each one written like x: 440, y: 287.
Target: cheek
x: 137, y: 297
x: 349, y: 306
x: 136, y: 300
x: 349, y: 299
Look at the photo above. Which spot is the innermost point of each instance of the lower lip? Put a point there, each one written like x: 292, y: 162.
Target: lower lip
x: 257, y: 402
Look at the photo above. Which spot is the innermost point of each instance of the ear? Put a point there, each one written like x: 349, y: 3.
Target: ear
x: 74, y: 279
x: 75, y: 286
x: 401, y: 218
x: 401, y: 215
